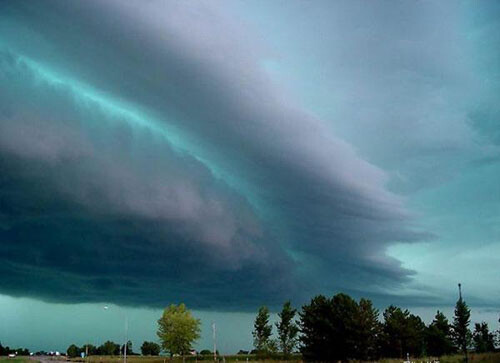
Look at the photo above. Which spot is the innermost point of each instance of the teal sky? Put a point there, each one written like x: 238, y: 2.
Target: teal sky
x: 230, y: 154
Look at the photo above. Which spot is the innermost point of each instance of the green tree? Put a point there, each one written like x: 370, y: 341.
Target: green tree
x: 262, y: 330
x: 73, y: 351
x: 338, y: 329
x: 315, y: 328
x: 483, y: 340
x: 178, y: 329
x: 129, y: 348
x: 23, y: 351
x: 5, y: 350
x: 438, y: 336
x: 368, y: 331
x: 461, y: 332
x: 150, y: 348
x: 287, y: 329
x: 403, y: 333
x: 89, y: 349
x: 344, y: 323
x: 109, y: 348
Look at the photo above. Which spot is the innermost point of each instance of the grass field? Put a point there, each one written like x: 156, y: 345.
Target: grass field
x: 15, y: 360
x: 473, y: 358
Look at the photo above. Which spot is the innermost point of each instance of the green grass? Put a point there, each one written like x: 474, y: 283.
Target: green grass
x: 15, y: 360
x: 473, y: 358
x: 161, y: 359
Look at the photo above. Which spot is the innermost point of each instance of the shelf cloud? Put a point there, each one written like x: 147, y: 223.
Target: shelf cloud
x: 148, y: 157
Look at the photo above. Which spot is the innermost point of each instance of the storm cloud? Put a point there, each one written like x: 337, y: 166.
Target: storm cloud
x: 148, y: 157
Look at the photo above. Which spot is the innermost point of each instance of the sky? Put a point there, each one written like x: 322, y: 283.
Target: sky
x: 233, y: 154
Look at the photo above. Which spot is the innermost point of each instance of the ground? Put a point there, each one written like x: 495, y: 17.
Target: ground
x: 474, y: 358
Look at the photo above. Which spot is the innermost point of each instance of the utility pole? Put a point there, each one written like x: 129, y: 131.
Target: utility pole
x: 215, y: 344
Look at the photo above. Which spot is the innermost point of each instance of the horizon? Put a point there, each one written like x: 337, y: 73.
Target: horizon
x: 234, y: 154
x: 143, y: 325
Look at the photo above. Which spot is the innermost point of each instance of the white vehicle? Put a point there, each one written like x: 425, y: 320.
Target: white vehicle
x: 12, y: 355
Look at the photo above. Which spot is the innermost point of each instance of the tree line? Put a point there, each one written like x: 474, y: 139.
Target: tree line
x: 177, y: 331
x: 19, y: 351
x: 111, y: 348
x: 341, y: 328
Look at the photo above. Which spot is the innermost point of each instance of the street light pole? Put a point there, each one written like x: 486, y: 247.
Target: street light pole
x: 106, y: 307
x: 126, y: 340
x: 215, y: 345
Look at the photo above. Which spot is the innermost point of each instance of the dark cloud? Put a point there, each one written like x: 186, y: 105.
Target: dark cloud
x: 146, y: 158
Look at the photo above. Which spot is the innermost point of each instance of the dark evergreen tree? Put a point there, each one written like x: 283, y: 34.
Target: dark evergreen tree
x: 287, y: 329
x: 262, y: 330
x: 461, y: 321
x: 339, y: 329
x: 316, y: 329
x: 438, y: 336
x: 415, y: 342
x: 403, y: 333
x: 483, y: 340
x: 344, y: 327
x: 368, y: 331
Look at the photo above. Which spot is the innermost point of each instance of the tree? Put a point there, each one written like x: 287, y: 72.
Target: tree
x: 332, y: 329
x: 206, y: 352
x: 22, y: 351
x: 262, y: 330
x: 89, y: 349
x: 109, y: 348
x: 316, y: 329
x: 129, y: 348
x: 73, y: 351
x: 3, y: 350
x: 178, y: 329
x: 498, y: 334
x: 368, y: 331
x: 438, y: 336
x: 415, y: 344
x: 150, y: 348
x: 287, y: 329
x: 402, y: 333
x: 461, y: 321
x: 272, y: 346
x: 483, y: 340
x: 344, y: 327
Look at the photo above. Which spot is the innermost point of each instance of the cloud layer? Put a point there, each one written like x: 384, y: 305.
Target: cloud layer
x: 147, y: 157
